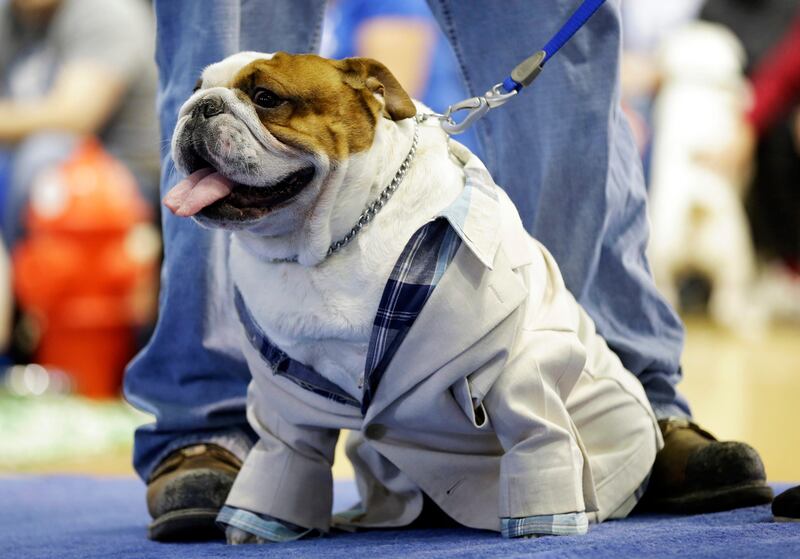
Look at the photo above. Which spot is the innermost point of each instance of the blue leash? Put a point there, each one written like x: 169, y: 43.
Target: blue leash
x: 535, y: 63
x: 521, y: 76
x: 577, y: 20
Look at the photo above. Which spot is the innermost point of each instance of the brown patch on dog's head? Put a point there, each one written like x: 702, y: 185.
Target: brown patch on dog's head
x: 320, y: 105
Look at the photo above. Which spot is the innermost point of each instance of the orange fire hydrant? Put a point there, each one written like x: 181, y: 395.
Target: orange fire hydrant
x: 86, y: 270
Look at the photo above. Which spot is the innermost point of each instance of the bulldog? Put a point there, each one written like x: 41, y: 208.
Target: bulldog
x: 385, y: 285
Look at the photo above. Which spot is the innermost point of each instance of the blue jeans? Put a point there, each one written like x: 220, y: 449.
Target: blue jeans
x: 562, y: 150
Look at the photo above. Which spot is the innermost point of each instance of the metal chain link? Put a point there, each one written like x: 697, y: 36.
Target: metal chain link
x: 373, y: 207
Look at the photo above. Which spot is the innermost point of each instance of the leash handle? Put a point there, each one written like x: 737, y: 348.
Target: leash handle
x: 521, y: 76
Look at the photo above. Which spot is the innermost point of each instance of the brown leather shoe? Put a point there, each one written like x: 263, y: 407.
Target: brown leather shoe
x: 694, y: 473
x: 186, y: 491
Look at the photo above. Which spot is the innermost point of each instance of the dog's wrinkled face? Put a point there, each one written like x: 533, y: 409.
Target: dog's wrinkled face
x: 262, y: 135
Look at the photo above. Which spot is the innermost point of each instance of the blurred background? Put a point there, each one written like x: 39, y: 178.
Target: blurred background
x: 712, y: 92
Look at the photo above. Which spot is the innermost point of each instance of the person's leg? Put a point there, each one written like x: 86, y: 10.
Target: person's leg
x: 191, y: 375
x: 563, y: 151
x: 565, y: 154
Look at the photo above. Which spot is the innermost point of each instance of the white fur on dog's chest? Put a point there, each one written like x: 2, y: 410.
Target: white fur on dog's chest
x: 321, y: 316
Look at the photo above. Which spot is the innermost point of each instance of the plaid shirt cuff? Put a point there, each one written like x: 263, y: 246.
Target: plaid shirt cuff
x: 262, y: 526
x: 570, y: 524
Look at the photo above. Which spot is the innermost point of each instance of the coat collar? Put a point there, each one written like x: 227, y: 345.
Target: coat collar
x: 475, y: 214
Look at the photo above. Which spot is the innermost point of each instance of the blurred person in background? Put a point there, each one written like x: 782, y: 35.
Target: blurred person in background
x: 767, y: 145
x: 565, y: 155
x: 404, y: 36
x: 71, y: 69
x: 700, y: 248
x: 767, y: 137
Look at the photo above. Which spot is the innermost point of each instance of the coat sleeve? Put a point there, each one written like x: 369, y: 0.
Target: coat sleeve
x: 544, y: 470
x: 287, y: 475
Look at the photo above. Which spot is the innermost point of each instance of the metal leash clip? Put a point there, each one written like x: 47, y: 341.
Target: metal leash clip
x: 476, y: 107
x: 499, y: 94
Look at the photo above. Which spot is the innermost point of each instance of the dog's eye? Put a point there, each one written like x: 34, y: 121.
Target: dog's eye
x: 266, y: 99
x: 198, y: 84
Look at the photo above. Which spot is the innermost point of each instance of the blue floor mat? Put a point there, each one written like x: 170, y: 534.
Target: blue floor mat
x: 81, y: 517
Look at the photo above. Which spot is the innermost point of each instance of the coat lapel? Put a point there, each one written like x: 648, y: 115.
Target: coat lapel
x: 469, y: 301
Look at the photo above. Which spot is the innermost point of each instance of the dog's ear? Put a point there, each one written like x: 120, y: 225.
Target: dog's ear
x: 374, y: 76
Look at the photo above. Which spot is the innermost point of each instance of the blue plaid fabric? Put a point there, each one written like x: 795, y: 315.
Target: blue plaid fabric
x: 263, y: 526
x: 570, y: 524
x: 416, y: 273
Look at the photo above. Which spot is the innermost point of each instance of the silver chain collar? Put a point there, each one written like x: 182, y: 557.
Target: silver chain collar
x: 372, y: 208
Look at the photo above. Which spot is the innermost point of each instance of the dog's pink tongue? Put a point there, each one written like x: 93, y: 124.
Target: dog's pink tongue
x: 178, y: 193
x: 200, y: 189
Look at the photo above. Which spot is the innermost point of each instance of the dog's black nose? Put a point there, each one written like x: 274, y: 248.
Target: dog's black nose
x: 209, y: 106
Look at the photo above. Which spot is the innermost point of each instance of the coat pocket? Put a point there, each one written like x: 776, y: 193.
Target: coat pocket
x: 471, y: 404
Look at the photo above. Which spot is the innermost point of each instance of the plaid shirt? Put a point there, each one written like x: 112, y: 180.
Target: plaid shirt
x: 415, y: 275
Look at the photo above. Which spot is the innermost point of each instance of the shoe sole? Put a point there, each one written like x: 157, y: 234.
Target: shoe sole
x: 186, y: 525
x: 714, y: 500
x: 786, y: 519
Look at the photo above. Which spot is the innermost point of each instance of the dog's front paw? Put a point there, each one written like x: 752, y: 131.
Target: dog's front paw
x: 236, y: 536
